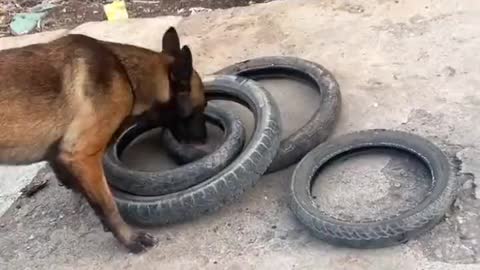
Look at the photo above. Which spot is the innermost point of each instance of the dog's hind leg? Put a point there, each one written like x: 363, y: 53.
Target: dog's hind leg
x: 87, y: 171
x: 99, y: 111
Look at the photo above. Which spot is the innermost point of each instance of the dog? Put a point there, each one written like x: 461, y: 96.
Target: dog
x: 66, y: 100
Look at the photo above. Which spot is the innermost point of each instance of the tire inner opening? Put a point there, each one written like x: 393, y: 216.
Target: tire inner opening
x: 373, y: 184
x: 295, y: 92
x: 146, y: 152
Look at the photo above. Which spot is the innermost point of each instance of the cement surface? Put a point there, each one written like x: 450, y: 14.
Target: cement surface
x: 410, y: 65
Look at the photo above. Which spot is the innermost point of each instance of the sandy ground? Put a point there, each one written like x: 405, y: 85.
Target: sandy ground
x: 410, y: 65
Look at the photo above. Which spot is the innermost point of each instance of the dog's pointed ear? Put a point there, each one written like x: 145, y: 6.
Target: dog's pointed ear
x: 187, y: 57
x: 171, y: 42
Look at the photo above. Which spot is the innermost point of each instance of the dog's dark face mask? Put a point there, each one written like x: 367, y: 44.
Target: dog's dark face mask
x: 190, y: 125
x: 190, y: 130
x: 188, y: 101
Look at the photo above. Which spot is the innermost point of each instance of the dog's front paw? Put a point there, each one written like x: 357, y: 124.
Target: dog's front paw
x: 141, y: 242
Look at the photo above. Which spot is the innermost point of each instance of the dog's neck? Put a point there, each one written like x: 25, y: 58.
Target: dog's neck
x: 148, y: 74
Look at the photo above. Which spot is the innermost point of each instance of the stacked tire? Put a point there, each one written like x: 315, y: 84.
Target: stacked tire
x: 207, y: 181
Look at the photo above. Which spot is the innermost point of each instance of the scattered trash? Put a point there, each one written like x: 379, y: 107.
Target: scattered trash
x: 195, y: 10
x: 116, y: 10
x: 24, y: 23
x: 42, y: 7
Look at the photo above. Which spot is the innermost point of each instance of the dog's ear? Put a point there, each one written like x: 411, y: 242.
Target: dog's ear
x: 187, y: 58
x: 182, y: 69
x: 171, y: 42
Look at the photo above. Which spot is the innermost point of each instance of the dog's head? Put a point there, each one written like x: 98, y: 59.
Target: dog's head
x: 187, y: 96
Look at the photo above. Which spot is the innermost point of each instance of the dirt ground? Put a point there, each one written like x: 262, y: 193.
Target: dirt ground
x: 70, y: 13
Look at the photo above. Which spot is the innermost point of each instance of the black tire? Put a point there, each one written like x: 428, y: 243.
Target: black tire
x: 321, y: 125
x: 174, y: 148
x: 151, y: 183
x: 387, y: 232
x: 232, y: 181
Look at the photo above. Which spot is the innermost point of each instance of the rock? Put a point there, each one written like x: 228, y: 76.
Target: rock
x: 469, y: 184
x: 35, y: 186
x: 449, y: 71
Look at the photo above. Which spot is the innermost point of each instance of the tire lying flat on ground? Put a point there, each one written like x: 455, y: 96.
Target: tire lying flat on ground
x: 151, y: 183
x: 233, y: 180
x: 320, y: 125
x: 386, y: 232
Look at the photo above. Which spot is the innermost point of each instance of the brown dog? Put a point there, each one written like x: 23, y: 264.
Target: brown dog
x: 63, y: 102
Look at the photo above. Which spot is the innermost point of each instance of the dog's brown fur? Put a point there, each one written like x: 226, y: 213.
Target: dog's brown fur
x: 63, y: 101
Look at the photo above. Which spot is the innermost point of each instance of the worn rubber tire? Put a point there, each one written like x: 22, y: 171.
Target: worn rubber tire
x: 173, y: 148
x: 151, y: 183
x: 321, y: 125
x: 232, y: 181
x: 385, y: 232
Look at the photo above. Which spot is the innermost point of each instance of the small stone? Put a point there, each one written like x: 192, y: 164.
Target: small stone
x: 468, y: 184
x: 31, y: 237
x: 283, y: 235
x: 354, y: 8
x: 417, y: 19
x: 449, y: 71
x: 460, y: 220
